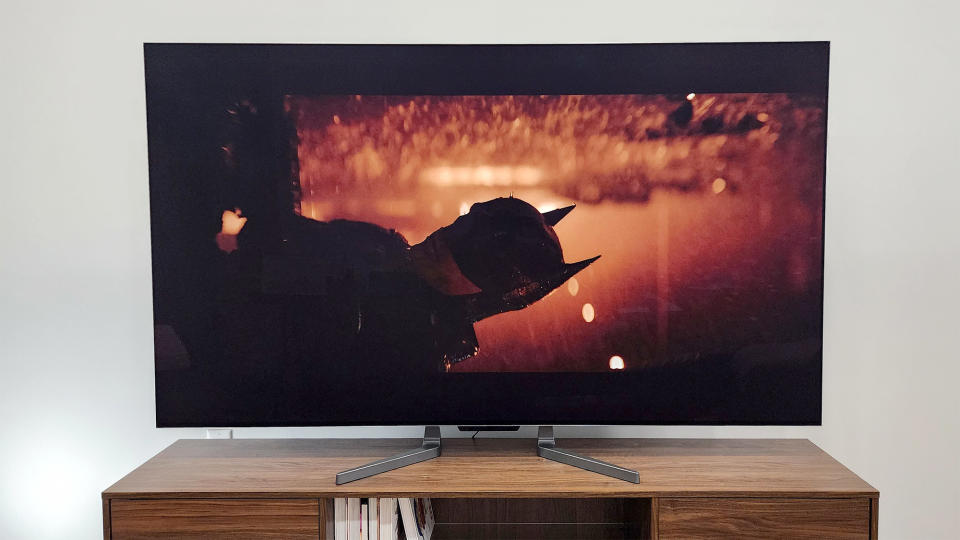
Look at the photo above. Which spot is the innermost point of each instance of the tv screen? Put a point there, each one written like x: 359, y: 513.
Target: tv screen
x: 502, y: 235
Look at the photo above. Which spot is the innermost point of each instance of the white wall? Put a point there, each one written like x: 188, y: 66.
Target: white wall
x: 76, y: 379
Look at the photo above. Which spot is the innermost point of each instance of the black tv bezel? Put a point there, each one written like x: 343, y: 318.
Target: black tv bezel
x: 175, y: 72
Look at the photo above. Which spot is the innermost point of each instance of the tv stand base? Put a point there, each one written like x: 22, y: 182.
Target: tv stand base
x: 547, y: 449
x: 429, y: 449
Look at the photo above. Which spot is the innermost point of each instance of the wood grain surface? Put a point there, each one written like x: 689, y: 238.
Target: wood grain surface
x: 241, y: 519
x: 531, y: 531
x: 553, y: 511
x: 764, y: 518
x: 284, y: 468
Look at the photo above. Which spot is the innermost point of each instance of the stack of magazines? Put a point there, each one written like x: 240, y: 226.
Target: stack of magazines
x: 379, y: 518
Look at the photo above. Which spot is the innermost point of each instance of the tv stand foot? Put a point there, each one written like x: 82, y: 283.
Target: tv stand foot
x: 547, y: 449
x: 429, y: 449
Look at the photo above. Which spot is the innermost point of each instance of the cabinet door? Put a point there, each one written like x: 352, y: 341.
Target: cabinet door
x: 214, y: 519
x: 692, y: 518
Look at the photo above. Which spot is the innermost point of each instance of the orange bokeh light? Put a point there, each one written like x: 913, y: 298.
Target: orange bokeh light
x: 588, y: 312
x: 719, y: 185
x: 573, y: 286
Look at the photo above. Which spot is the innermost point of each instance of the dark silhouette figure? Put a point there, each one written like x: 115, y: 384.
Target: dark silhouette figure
x: 367, y: 282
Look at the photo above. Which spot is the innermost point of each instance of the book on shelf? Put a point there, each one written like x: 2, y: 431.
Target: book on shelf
x: 364, y: 521
x: 340, y: 519
x: 373, y: 519
x: 389, y: 519
x: 418, y: 521
x: 369, y: 519
x: 353, y: 518
x: 425, y: 517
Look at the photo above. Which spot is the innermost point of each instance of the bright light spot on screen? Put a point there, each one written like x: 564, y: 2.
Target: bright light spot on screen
x: 441, y: 176
x: 485, y: 175
x: 690, y: 96
x: 763, y: 117
x: 527, y: 176
x: 588, y: 312
x: 573, y: 286
x: 616, y: 362
x: 232, y: 222
x: 546, y: 207
x: 464, y: 208
x: 719, y: 185
x: 336, y: 119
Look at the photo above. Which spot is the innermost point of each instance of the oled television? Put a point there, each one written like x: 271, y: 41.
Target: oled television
x: 487, y: 235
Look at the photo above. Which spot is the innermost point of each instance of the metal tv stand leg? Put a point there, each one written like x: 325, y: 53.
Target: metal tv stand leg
x: 428, y: 450
x: 547, y: 448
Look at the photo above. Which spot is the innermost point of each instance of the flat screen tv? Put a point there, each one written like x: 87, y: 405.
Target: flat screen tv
x: 487, y: 235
